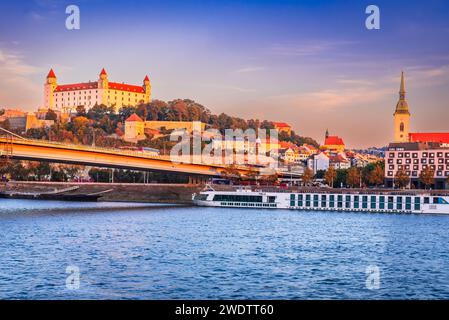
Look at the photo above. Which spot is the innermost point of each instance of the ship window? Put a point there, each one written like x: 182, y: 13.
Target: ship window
x: 373, y: 202
x: 356, y: 202
x: 390, y: 203
x: 399, y: 203
x: 348, y: 202
x: 426, y: 200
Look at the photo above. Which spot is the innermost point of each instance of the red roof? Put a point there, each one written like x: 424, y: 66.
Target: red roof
x: 439, y: 137
x: 334, y: 141
x: 281, y: 125
x: 94, y: 85
x: 77, y: 86
x: 134, y: 117
x: 146, y: 78
x: 51, y: 74
x: 103, y: 72
x: 125, y: 87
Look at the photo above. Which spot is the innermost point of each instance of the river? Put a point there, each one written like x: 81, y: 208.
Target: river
x: 167, y: 252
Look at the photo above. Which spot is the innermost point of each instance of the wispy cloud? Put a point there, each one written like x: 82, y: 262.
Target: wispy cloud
x: 14, y: 78
x: 228, y: 88
x: 249, y: 69
x: 307, y: 48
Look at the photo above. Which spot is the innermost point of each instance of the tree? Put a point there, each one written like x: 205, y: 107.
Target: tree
x: 51, y: 115
x: 401, y: 179
x: 330, y: 176
x: 353, y: 177
x: 231, y: 173
x: 307, y: 176
x: 426, y: 176
x: 80, y: 111
x: 376, y: 176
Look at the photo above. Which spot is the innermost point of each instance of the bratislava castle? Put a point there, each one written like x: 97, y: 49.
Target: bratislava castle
x: 66, y: 97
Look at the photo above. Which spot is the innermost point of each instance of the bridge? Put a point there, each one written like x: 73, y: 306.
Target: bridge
x: 15, y: 147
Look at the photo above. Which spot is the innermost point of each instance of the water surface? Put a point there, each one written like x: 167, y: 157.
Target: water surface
x: 216, y: 253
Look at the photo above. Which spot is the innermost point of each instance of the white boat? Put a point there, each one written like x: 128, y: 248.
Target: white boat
x: 363, y: 200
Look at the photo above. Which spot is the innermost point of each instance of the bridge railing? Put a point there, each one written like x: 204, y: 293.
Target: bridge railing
x: 115, y: 151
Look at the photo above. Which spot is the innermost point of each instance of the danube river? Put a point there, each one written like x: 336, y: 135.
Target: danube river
x: 169, y: 252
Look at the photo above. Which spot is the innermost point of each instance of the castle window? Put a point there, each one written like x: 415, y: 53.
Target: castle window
x: 401, y: 127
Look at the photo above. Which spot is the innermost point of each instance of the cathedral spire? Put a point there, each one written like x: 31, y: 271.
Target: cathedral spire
x: 402, y: 88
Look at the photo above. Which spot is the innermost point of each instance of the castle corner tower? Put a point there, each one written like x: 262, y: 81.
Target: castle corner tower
x: 49, y: 89
x: 402, y: 116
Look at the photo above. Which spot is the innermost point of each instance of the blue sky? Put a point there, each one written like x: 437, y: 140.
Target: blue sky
x: 310, y: 63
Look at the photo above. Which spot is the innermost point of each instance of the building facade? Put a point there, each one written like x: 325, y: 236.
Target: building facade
x: 414, y: 152
x: 66, y: 97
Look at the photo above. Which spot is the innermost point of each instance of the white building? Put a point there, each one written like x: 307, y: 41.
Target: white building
x: 318, y: 162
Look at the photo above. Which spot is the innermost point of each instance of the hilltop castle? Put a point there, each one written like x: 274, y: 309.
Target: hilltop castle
x: 67, y: 97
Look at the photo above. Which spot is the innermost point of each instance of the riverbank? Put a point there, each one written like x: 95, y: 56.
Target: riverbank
x: 129, y: 192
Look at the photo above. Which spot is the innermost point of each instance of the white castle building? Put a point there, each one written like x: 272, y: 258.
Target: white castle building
x: 66, y: 97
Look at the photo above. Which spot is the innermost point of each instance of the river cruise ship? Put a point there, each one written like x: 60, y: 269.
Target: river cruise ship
x: 363, y: 200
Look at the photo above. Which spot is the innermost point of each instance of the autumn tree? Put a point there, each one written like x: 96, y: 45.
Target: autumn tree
x: 51, y: 115
x: 426, y: 176
x: 401, y: 179
x: 330, y: 176
x: 376, y: 176
x: 353, y: 177
x: 307, y: 176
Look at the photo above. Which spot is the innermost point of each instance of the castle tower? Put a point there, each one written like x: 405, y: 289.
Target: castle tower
x: 147, y: 89
x: 103, y: 86
x: 49, y: 88
x: 401, y: 116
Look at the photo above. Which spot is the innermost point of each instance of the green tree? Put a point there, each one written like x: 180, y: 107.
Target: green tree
x: 401, y: 179
x: 427, y: 176
x: 51, y: 115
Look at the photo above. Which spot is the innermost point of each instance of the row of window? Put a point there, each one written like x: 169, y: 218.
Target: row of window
x: 416, y: 161
x: 416, y: 173
x: 415, y: 154
x: 362, y: 202
x: 96, y: 91
x: 236, y: 204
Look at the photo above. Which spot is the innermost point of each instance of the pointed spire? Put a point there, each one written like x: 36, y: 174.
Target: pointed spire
x: 327, y: 133
x: 146, y: 78
x: 402, y: 88
x: 103, y: 72
x: 51, y: 74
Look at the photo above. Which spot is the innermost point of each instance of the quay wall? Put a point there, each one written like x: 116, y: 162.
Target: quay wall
x: 133, y: 192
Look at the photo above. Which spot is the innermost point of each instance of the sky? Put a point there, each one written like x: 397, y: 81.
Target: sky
x: 312, y: 64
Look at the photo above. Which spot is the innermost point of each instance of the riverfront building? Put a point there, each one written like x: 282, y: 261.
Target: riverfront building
x: 66, y: 97
x: 414, y: 152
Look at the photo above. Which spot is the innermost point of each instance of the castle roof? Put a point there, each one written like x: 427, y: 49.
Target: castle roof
x: 51, y: 74
x: 76, y: 86
x: 439, y: 137
x: 103, y: 72
x: 94, y: 85
x: 133, y: 118
x: 125, y: 87
x: 146, y: 78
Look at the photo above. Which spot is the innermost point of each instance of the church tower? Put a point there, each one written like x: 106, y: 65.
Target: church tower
x: 401, y: 116
x: 49, y: 88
